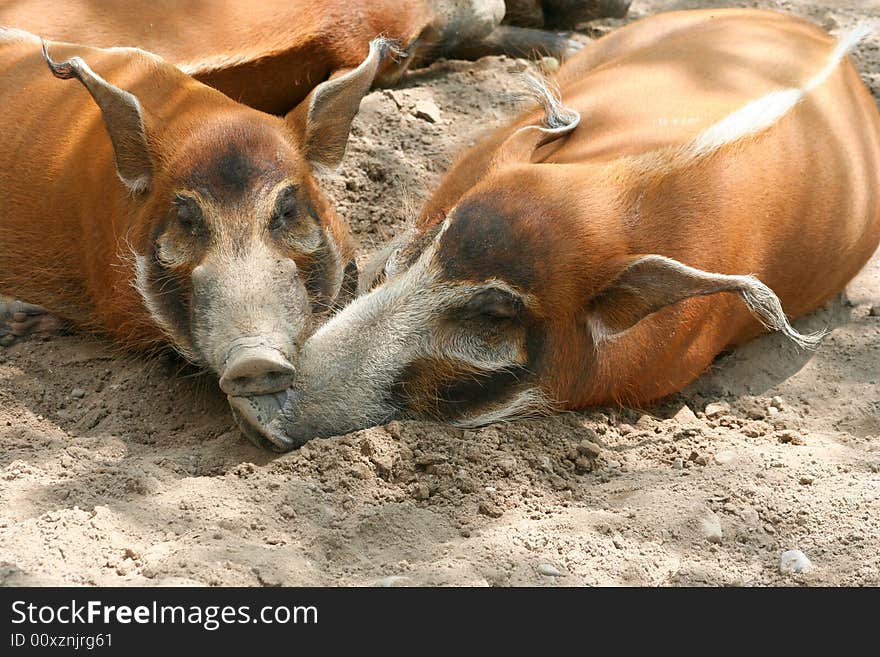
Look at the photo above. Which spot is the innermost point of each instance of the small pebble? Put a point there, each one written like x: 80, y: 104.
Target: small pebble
x: 711, y: 528
x: 686, y: 416
x: 550, y: 64
x: 678, y: 463
x: 7, y: 340
x: 392, y: 581
x: 777, y: 401
x: 717, y: 408
x: 77, y: 393
x: 725, y: 457
x: 427, y: 111
x: 549, y: 570
x: 875, y: 311
x: 794, y: 561
x: 772, y: 410
x: 806, y: 480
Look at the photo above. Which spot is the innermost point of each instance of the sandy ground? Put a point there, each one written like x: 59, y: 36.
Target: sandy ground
x: 119, y: 471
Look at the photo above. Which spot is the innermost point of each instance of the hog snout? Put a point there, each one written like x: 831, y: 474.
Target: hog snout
x: 275, y: 421
x: 256, y: 418
x: 252, y: 367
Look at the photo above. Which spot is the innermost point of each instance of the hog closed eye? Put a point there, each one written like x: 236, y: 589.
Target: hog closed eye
x: 286, y: 210
x: 491, y: 304
x: 189, y: 213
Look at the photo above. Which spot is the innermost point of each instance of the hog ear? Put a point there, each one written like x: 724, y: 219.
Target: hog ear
x: 648, y: 283
x: 557, y: 123
x: 322, y: 122
x: 123, y: 119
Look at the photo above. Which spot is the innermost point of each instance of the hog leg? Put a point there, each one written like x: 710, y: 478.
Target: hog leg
x: 566, y: 14
x: 18, y: 319
x: 524, y: 13
x: 515, y: 42
x: 470, y: 29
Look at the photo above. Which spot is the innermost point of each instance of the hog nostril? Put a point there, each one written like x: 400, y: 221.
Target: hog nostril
x: 256, y: 371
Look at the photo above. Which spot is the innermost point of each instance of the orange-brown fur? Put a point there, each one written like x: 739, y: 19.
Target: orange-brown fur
x: 798, y: 205
x: 267, y: 54
x: 68, y: 227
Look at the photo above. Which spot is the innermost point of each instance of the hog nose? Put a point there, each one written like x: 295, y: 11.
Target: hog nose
x: 256, y: 370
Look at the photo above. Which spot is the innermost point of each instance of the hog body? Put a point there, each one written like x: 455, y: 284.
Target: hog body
x: 705, y: 174
x: 270, y: 54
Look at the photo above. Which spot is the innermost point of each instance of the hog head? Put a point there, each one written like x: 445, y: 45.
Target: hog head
x: 237, y: 255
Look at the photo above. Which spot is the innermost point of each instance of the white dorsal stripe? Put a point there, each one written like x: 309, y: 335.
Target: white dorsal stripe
x: 11, y: 34
x: 759, y: 115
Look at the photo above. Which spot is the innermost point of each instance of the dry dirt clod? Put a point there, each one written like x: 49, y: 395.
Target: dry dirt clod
x: 583, y: 464
x: 717, y: 409
x: 427, y: 111
x: 589, y: 449
x: 491, y: 509
x: 421, y: 491
x: 360, y: 471
x: 789, y: 437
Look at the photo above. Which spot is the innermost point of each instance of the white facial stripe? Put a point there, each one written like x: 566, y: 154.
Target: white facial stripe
x: 339, y: 270
x: 526, y: 403
x: 142, y: 284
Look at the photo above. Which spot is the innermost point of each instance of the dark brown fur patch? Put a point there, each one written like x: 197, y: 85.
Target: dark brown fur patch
x: 483, y: 242
x: 226, y: 174
x: 231, y: 160
x: 448, y: 391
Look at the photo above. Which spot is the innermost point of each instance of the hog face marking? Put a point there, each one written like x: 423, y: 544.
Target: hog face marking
x: 240, y: 250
